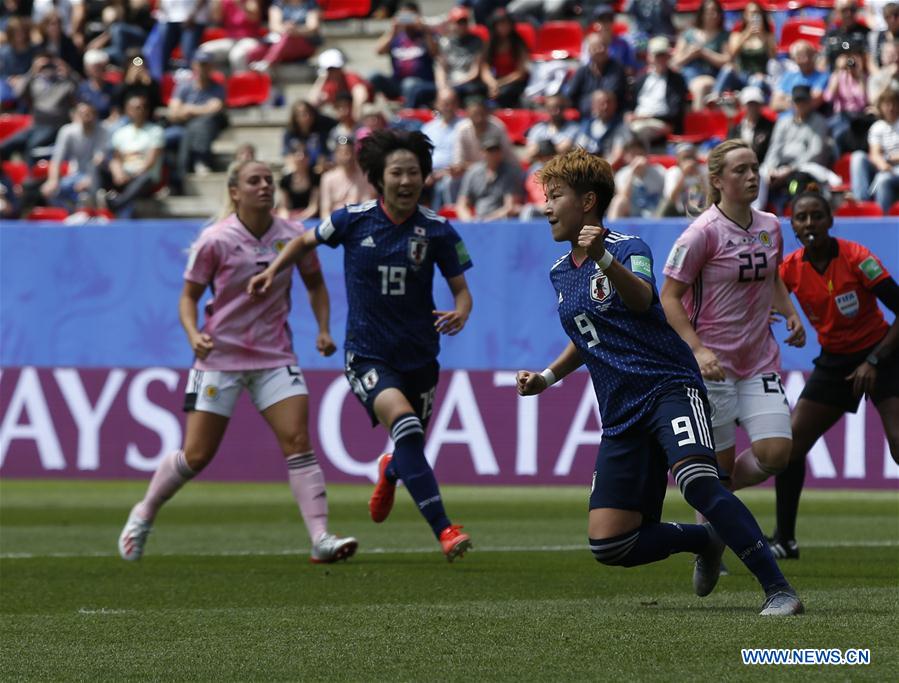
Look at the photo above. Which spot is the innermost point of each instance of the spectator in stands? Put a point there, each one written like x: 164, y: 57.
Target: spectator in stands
x: 847, y: 94
x: 701, y: 51
x: 491, y: 189
x: 81, y: 145
x: 534, y: 192
x: 49, y: 93
x: 334, y: 78
x: 469, y: 148
x: 459, y: 57
x: 95, y: 88
x: 752, y: 44
x: 120, y: 34
x: 346, y: 121
x: 605, y: 133
x: 889, y: 33
x: 685, y: 184
x: 308, y: 128
x: 639, y: 184
x: 538, y: 11
x: 135, y: 165
x: 557, y: 129
x: 412, y: 49
x: 181, y: 22
x: 600, y: 73
x: 847, y: 33
x: 242, y: 22
x: 753, y: 128
x: 72, y: 15
x: 504, y: 70
x: 661, y: 96
x: 875, y: 174
x: 346, y: 182
x: 804, y: 55
x: 620, y: 48
x: 196, y: 111
x: 16, y: 57
x: 373, y: 120
x: 442, y: 131
x: 299, y: 187
x: 887, y: 75
x: 652, y: 17
x: 799, y: 144
x: 245, y: 152
x: 137, y: 81
x: 54, y: 41
x: 297, y: 24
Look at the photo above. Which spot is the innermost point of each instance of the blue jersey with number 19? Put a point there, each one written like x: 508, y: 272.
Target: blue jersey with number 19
x: 389, y: 274
x: 632, y: 357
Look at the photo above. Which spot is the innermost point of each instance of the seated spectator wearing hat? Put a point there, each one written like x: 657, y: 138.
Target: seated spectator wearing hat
x: 491, y: 189
x: 875, y: 173
x: 701, y: 51
x: 297, y: 25
x: 504, y: 69
x: 605, y: 133
x: 197, y: 112
x: 600, y: 73
x: 459, y: 57
x: 334, y: 78
x: 753, y: 128
x: 80, y: 145
x: 639, y: 184
x: 799, y: 144
x: 557, y: 129
x: 685, y: 184
x: 469, y: 147
x: 95, y: 88
x: 412, y: 48
x: 804, y: 56
x: 620, y: 48
x: 346, y: 182
x: 661, y: 96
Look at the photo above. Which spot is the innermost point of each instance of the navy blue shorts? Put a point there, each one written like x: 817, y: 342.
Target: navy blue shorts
x: 631, y: 470
x: 368, y: 377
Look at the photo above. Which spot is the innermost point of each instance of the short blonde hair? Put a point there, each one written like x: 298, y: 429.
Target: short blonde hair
x: 583, y: 172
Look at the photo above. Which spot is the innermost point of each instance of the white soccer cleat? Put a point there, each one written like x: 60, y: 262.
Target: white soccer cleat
x: 330, y: 548
x: 134, y: 536
x: 708, y: 564
x: 783, y: 603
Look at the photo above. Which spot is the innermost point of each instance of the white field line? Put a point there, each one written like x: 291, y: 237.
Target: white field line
x: 404, y: 551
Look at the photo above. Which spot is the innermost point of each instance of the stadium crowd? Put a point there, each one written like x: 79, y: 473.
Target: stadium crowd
x: 107, y: 102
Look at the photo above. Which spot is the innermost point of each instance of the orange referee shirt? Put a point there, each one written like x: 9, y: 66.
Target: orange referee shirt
x: 839, y: 303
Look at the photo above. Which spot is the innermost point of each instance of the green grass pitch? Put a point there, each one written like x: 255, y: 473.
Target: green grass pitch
x: 225, y: 591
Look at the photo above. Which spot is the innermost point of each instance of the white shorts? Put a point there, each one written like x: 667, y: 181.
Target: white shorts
x: 216, y: 391
x: 758, y: 404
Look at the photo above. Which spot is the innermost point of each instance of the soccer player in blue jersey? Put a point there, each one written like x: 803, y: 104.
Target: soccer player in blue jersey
x: 391, y: 246
x: 651, y: 396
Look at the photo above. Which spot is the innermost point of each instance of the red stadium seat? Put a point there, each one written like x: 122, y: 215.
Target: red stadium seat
x: 13, y: 123
x: 480, y: 31
x: 863, y: 209
x: 423, y: 115
x: 247, y: 89
x: 558, y: 40
x: 812, y: 30
x: 703, y: 125
x: 517, y: 122
x: 841, y: 168
x: 333, y: 10
x: 734, y: 5
x: 665, y: 160
x: 166, y: 88
x: 894, y: 210
x: 211, y: 33
x: 47, y: 213
x: 16, y: 171
x: 688, y: 5
x: 528, y: 34
x: 448, y: 212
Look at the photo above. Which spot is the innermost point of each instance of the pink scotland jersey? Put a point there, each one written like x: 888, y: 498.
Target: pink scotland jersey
x: 732, y: 273
x: 248, y: 334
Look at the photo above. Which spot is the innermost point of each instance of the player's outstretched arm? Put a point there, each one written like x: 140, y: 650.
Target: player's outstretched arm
x: 452, y: 322
x: 784, y: 305
x: 634, y: 292
x: 531, y: 383
x: 200, y: 342
x: 671, y: 297
x: 294, y: 252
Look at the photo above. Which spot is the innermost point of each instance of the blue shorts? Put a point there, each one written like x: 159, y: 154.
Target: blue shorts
x: 631, y: 470
x: 368, y: 377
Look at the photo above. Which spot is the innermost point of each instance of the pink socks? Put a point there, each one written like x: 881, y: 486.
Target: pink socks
x: 307, y: 483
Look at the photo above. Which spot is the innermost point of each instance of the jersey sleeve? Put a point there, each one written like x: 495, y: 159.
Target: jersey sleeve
x: 203, y: 260
x: 332, y: 231
x: 451, y: 255
x: 636, y: 256
x: 688, y: 255
x: 866, y: 266
x: 788, y: 270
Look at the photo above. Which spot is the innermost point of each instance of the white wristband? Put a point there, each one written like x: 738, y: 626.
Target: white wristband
x: 606, y: 260
x: 549, y: 377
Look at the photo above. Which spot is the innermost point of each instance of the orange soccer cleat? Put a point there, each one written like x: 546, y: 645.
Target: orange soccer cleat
x: 381, y: 502
x: 454, y: 542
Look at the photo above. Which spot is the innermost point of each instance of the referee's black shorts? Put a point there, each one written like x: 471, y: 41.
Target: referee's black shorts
x: 828, y: 385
